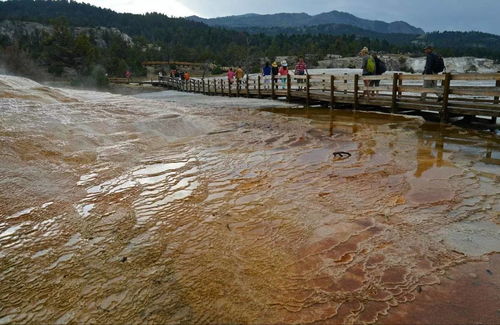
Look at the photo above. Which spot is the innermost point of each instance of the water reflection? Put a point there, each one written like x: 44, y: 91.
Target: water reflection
x: 435, y: 142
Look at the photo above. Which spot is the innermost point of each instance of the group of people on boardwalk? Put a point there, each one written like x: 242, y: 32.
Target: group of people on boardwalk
x: 239, y: 74
x: 277, y: 73
x: 280, y: 72
x: 372, y: 65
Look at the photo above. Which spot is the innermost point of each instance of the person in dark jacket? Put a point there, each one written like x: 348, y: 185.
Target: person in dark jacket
x: 430, y: 68
x: 380, y: 68
x: 275, y: 70
x: 266, y: 73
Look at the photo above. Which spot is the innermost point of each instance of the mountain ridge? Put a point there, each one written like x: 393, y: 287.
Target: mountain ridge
x: 306, y: 20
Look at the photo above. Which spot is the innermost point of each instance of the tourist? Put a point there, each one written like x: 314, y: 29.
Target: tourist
x: 266, y: 72
x: 433, y: 65
x: 380, y: 69
x: 275, y: 71
x: 230, y: 76
x: 301, y: 70
x: 283, y: 72
x: 173, y: 72
x: 187, y: 76
x: 369, y: 68
x: 240, y: 73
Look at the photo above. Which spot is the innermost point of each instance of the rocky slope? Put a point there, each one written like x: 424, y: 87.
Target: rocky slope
x: 405, y: 63
x: 13, y: 30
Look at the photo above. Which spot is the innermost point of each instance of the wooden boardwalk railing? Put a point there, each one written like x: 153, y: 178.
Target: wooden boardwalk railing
x: 459, y: 94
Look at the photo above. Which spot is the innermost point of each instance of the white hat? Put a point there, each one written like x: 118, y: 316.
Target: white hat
x: 284, y: 63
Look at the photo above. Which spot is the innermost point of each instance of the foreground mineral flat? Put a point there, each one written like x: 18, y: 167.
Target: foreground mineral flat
x: 171, y: 208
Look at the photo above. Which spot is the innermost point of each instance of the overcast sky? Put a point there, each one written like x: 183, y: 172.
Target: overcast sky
x: 430, y: 15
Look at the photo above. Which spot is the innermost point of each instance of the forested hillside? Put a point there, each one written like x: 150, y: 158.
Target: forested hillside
x: 294, y: 20
x: 60, y: 43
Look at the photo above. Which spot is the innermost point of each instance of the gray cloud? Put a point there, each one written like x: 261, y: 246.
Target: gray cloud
x: 431, y: 15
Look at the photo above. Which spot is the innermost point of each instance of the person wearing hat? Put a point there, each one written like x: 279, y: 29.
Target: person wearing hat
x: 283, y: 72
x: 431, y: 67
x: 369, y: 68
x: 275, y: 70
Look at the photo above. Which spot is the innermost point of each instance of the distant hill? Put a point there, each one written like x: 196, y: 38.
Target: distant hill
x: 302, y: 19
x: 333, y: 29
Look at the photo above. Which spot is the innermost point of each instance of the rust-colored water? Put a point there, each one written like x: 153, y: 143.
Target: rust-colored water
x: 116, y: 209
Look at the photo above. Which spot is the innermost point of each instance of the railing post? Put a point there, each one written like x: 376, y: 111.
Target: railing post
x: 288, y: 88
x: 400, y: 84
x: 215, y: 86
x: 394, y: 104
x: 345, y: 84
x: 258, y: 85
x: 229, y: 84
x: 356, y: 90
x: 273, y: 81
x: 203, y: 85
x: 223, y: 90
x: 308, y: 90
x: 247, y: 86
x: 496, y: 101
x: 332, y: 91
x: 446, y: 94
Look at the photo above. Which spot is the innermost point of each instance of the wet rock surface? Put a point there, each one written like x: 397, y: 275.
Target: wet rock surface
x: 117, y: 209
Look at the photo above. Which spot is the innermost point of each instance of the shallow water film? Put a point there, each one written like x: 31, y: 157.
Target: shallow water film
x: 198, y: 210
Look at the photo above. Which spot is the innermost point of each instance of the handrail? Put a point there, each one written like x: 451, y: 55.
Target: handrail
x: 398, y: 91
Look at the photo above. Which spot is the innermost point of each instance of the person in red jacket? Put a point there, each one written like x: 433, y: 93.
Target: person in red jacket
x: 230, y: 75
x: 300, y: 70
x: 283, y: 72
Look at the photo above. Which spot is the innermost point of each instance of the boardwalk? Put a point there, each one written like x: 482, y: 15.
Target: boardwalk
x: 460, y: 94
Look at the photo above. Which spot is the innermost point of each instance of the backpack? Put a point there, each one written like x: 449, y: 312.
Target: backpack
x: 438, y: 64
x: 381, y: 67
x: 371, y: 65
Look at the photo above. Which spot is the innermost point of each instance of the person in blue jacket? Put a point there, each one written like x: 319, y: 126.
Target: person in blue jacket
x: 266, y: 72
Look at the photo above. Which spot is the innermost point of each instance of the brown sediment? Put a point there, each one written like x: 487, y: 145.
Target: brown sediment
x: 114, y: 217
x: 466, y: 294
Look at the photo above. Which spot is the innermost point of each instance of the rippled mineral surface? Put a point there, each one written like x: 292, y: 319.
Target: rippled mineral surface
x: 190, y: 209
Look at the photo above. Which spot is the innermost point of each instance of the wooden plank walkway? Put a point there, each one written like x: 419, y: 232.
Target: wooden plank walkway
x: 459, y: 94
